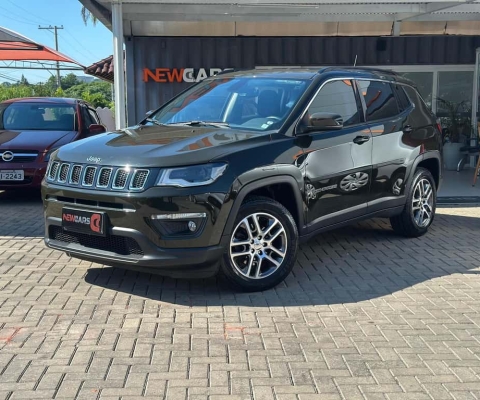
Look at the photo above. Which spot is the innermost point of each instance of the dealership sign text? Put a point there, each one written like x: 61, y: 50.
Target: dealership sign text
x: 170, y: 75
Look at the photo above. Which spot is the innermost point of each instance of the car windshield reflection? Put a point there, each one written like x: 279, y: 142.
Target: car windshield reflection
x: 258, y: 104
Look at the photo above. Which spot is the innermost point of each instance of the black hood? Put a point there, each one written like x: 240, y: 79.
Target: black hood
x: 157, y: 146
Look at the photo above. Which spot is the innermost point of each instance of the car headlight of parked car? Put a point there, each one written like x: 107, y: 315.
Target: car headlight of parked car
x: 195, y: 175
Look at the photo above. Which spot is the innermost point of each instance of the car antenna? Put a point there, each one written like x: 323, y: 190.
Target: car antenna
x: 355, y: 62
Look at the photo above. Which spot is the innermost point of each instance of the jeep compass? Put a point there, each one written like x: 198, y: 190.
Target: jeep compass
x: 232, y: 174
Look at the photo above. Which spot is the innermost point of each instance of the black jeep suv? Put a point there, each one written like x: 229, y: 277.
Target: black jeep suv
x: 232, y: 174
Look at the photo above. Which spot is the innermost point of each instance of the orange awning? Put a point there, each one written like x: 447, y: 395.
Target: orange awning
x: 15, y: 47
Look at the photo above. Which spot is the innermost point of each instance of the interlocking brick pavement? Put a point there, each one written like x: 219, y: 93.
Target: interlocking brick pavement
x: 364, y: 315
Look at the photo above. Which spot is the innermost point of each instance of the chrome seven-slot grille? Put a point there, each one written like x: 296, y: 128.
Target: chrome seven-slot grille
x: 93, y: 176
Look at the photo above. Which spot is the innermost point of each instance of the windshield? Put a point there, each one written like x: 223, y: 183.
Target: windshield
x: 37, y: 116
x: 257, y: 104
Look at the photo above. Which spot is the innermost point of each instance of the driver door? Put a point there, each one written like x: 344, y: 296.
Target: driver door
x: 338, y: 163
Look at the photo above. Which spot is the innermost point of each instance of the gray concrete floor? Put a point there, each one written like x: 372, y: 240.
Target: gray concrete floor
x: 459, y: 184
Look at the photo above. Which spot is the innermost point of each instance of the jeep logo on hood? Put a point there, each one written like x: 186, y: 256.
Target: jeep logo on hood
x: 93, y: 159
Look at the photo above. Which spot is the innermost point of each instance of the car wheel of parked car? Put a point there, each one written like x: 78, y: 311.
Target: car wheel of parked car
x: 419, y: 209
x: 262, y: 247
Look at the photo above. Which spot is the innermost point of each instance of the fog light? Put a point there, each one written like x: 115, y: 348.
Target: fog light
x: 178, y: 225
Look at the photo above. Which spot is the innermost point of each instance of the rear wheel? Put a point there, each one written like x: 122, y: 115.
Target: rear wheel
x: 419, y: 210
x: 262, y: 247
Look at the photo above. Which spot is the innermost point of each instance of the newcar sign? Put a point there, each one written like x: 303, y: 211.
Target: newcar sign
x: 170, y: 75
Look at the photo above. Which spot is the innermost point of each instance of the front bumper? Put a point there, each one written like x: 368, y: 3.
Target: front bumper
x: 132, y: 241
x: 184, y: 262
x: 33, y: 175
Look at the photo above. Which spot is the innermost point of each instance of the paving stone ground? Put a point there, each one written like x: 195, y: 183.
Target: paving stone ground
x: 364, y: 315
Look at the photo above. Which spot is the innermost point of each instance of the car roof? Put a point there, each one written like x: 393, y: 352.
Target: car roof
x: 46, y: 100
x: 309, y: 73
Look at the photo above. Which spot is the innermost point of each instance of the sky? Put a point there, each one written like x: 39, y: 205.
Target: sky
x: 85, y: 44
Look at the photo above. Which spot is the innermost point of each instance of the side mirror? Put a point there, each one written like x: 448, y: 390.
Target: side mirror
x: 148, y: 113
x: 323, y: 121
x: 95, y: 129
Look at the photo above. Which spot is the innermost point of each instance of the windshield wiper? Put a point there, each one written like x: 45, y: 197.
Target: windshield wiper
x: 203, y: 123
x: 154, y: 121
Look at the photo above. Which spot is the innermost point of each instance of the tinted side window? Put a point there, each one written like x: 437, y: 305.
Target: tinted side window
x: 421, y: 115
x: 337, y: 97
x: 379, y: 99
x: 402, y: 98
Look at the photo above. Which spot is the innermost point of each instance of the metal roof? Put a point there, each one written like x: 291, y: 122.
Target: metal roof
x: 330, y: 18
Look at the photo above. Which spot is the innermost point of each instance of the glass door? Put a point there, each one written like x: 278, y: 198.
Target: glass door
x: 474, y: 140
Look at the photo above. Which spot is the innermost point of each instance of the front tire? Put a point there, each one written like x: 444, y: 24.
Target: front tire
x: 263, y: 246
x: 419, y: 211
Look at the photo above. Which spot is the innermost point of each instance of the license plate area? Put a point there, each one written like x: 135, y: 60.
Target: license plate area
x: 12, y: 175
x: 89, y: 222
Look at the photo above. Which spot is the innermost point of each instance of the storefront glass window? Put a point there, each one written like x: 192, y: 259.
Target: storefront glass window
x: 454, y: 103
x: 424, y: 82
x: 455, y: 87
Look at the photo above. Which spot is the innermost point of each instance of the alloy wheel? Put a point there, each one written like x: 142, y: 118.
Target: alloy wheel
x: 422, y: 203
x: 258, y: 245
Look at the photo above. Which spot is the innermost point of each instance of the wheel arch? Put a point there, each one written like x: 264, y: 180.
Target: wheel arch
x: 294, y: 203
x: 431, y: 161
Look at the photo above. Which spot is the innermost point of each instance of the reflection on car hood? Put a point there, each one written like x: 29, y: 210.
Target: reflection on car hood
x: 31, y: 140
x: 159, y: 145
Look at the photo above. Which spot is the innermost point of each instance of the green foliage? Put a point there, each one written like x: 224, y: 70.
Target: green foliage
x: 88, y: 16
x: 97, y: 93
x: 12, y: 92
x: 23, y: 81
x: 66, y: 81
x: 96, y: 99
x: 100, y: 87
x: 59, y: 93
x: 19, y: 90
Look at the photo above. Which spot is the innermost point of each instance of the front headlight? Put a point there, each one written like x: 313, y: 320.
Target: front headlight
x: 49, y: 153
x: 195, y: 175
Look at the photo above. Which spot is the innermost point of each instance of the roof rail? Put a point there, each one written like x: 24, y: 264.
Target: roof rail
x: 226, y: 71
x: 324, y: 69
x: 373, y: 69
x: 369, y: 69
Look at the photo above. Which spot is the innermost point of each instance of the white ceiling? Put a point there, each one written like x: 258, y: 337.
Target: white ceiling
x: 352, y: 17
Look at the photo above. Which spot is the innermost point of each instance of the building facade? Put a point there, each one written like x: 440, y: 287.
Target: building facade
x: 159, y: 67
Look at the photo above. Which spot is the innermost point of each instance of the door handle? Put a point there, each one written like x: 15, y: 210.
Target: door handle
x: 407, y: 129
x: 361, y: 139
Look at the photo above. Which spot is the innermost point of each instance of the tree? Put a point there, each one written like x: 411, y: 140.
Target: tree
x: 23, y: 81
x: 66, y: 82
x: 59, y: 93
x: 96, y: 87
x: 96, y: 99
x: 88, y: 16
x: 69, y: 80
x: 97, y: 93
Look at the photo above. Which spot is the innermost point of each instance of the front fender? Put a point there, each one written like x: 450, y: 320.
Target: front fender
x: 263, y: 177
